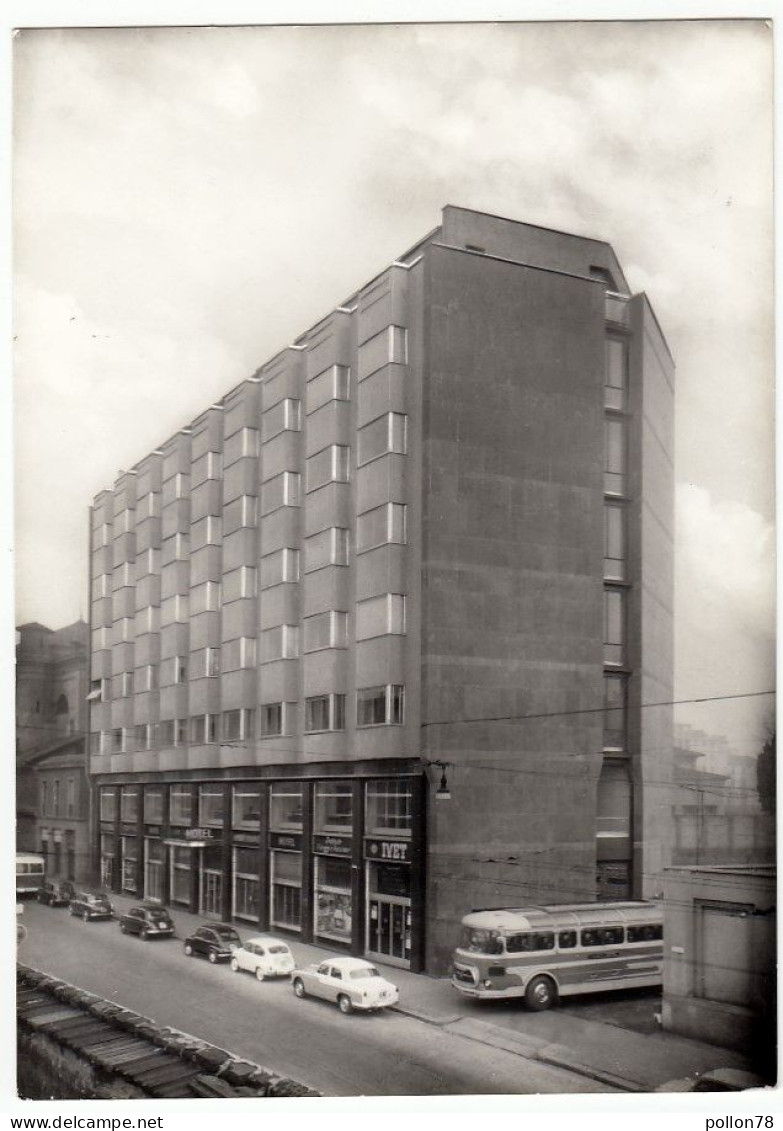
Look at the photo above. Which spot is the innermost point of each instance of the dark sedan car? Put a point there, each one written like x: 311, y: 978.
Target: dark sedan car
x: 91, y: 905
x: 148, y: 921
x: 217, y: 941
x: 56, y: 893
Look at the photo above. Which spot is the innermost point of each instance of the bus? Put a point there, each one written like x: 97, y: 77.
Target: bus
x: 30, y: 872
x: 544, y: 953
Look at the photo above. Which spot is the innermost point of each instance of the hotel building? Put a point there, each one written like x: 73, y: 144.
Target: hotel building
x: 429, y: 543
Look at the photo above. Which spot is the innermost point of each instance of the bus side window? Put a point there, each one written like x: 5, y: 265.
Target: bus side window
x: 518, y: 944
x: 566, y: 940
x: 645, y: 934
x: 602, y: 936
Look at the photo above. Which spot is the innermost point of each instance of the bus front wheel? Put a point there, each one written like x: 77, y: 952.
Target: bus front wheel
x: 540, y: 994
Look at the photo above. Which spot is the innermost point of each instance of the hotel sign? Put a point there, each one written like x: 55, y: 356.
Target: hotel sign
x: 396, y: 851
x: 286, y: 840
x: 326, y: 845
x: 199, y: 834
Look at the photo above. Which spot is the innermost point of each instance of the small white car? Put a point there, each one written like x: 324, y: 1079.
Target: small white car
x: 350, y: 982
x: 264, y: 956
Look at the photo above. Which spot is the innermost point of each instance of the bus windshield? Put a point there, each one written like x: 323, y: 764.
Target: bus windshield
x: 481, y: 941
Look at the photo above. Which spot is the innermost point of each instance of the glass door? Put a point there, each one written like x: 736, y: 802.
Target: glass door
x: 388, y: 927
x: 212, y: 893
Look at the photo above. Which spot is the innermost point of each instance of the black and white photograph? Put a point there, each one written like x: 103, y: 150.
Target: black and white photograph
x: 393, y: 563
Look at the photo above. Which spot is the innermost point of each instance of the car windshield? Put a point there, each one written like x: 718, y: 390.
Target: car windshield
x: 227, y: 933
x: 481, y: 941
x: 365, y: 972
x: 278, y: 950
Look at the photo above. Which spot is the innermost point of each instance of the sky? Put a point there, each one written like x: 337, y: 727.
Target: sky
x: 188, y: 201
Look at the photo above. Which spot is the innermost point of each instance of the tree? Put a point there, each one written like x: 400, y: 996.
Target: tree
x: 765, y: 774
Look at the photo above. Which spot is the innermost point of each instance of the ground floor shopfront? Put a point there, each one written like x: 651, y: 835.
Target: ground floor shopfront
x: 330, y: 856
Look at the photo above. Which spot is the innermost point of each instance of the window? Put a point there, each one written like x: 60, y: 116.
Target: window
x: 381, y: 525
x: 208, y: 466
x: 376, y: 706
x: 147, y: 620
x: 280, y: 643
x: 108, y: 804
x: 129, y: 804
x: 615, y: 456
x: 285, y: 807
x: 123, y: 522
x: 327, y: 547
x: 180, y: 805
x: 153, y: 805
x: 211, y: 805
x: 242, y: 443
x: 332, y: 909
x: 147, y: 562
x: 127, y: 684
x: 333, y: 384
x: 615, y: 711
x: 123, y: 630
x: 174, y: 610
x: 245, y: 806
x: 117, y: 741
x: 283, y: 490
x: 172, y: 732
x: 239, y: 583
x: 283, y: 417
x: 147, y: 678
x: 388, y: 808
x: 237, y: 725
x: 174, y: 670
x: 566, y: 940
x: 386, y: 434
x: 239, y: 513
x: 128, y: 860
x: 286, y: 871
x: 203, y: 729
x: 602, y: 936
x: 175, y: 549
x: 123, y: 575
x: 207, y: 532
x: 101, y: 536
x: 281, y: 566
x: 330, y: 465
x: 333, y: 807
x: 205, y: 663
x: 277, y: 719
x: 246, y: 889
x: 205, y: 598
x: 380, y: 615
x: 614, y: 626
x: 613, y: 808
x: 390, y: 345
x: 616, y: 381
x: 530, y: 940
x: 144, y: 735
x: 325, y: 630
x: 101, y: 586
x: 175, y: 488
x: 649, y: 933
x: 324, y: 712
x: 239, y: 653
x: 100, y: 690
x: 100, y: 638
x: 614, y: 543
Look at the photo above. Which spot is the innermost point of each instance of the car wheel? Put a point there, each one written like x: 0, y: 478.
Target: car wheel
x: 144, y: 934
x: 212, y: 956
x: 299, y: 989
x: 188, y: 949
x: 345, y: 1004
x: 540, y: 994
x: 123, y: 927
x: 259, y: 974
x: 234, y: 965
x: 86, y: 916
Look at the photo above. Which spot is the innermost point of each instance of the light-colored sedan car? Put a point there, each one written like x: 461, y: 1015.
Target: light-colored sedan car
x: 350, y: 982
x: 264, y: 956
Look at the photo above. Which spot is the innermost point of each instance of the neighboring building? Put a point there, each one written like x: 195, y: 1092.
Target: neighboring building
x: 720, y: 958
x: 435, y: 529
x: 52, y: 786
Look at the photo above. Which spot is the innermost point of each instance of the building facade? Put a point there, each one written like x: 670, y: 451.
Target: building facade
x: 52, y: 785
x: 432, y: 536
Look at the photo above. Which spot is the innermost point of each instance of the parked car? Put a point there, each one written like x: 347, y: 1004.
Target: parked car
x: 91, y: 905
x: 147, y: 921
x: 56, y: 893
x: 264, y: 956
x: 217, y: 941
x: 715, y: 1080
x: 350, y: 982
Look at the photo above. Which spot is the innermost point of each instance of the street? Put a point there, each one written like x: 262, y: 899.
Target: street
x: 377, y: 1054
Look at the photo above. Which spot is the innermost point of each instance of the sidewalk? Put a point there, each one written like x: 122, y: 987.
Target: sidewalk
x: 618, y: 1057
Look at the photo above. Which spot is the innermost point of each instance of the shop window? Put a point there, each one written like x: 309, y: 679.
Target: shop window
x: 285, y: 807
x: 333, y: 807
x: 180, y: 874
x: 129, y: 804
x: 108, y: 804
x: 180, y: 805
x: 388, y: 808
x: 153, y: 869
x: 333, y: 909
x: 245, y: 806
x: 286, y: 870
x: 379, y: 706
x: 211, y: 805
x: 324, y: 713
x: 107, y: 860
x: 247, y: 889
x: 153, y: 806
x: 128, y: 860
x: 333, y: 384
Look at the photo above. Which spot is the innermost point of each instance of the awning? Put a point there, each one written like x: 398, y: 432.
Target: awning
x: 188, y: 843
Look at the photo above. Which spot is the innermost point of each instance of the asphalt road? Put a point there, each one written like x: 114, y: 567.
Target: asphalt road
x: 385, y: 1053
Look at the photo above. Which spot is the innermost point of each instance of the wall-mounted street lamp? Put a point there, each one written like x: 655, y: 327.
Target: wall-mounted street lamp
x: 442, y: 793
